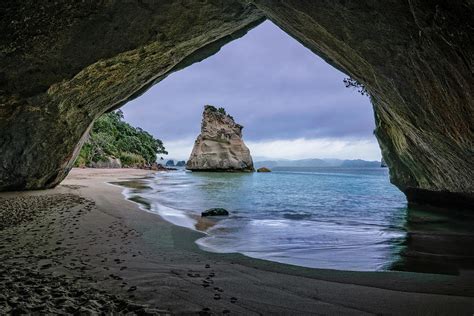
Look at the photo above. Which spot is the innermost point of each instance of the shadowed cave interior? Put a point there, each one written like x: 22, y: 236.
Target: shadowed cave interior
x: 425, y: 137
x: 63, y: 64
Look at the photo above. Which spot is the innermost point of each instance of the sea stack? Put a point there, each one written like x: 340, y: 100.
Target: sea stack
x: 219, y: 147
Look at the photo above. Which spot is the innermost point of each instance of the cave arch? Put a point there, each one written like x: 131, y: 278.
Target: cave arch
x: 64, y: 64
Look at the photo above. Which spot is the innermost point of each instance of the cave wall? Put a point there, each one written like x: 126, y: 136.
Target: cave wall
x: 416, y: 59
x: 62, y: 64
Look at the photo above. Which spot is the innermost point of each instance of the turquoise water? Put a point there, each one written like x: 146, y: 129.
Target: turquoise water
x: 351, y: 219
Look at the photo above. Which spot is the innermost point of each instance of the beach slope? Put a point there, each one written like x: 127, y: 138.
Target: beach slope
x: 83, y: 247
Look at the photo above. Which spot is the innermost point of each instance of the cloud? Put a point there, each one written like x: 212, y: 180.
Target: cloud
x: 291, y: 103
x: 300, y: 148
x: 178, y: 149
x: 271, y: 84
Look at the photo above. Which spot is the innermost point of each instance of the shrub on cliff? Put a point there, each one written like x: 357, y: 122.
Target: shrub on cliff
x: 220, y: 110
x: 110, y: 136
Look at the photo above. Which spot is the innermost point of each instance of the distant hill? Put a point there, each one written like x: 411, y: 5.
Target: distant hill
x: 354, y: 163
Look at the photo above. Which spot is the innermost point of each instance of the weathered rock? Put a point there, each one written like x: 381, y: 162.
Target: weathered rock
x: 215, y: 212
x: 109, y: 163
x: 65, y: 63
x: 263, y: 169
x: 181, y: 163
x: 159, y: 167
x: 219, y: 147
x: 414, y: 57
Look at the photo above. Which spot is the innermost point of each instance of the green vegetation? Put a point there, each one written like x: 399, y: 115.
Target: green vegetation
x: 218, y: 110
x: 111, y: 137
x: 353, y: 83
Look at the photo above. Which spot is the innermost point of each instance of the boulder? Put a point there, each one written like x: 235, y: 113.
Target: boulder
x: 215, y: 212
x: 110, y: 162
x: 263, y: 169
x: 219, y: 147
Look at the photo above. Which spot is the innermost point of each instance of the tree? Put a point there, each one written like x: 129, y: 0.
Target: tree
x: 110, y: 136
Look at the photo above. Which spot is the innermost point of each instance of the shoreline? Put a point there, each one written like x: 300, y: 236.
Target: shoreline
x: 141, y: 257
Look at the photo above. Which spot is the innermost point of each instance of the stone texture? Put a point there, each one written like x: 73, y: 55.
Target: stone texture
x: 416, y: 58
x: 64, y: 63
x: 109, y: 163
x: 215, y: 212
x: 219, y: 146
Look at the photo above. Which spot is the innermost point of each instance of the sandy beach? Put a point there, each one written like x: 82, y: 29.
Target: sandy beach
x: 83, y: 248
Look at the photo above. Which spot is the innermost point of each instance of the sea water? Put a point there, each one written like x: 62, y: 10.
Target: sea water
x: 335, y: 218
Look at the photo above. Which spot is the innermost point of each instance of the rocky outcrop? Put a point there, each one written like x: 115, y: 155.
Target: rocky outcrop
x: 181, y: 163
x: 219, y: 147
x: 110, y: 162
x: 263, y: 169
x: 64, y: 63
x: 215, y: 212
x: 415, y: 58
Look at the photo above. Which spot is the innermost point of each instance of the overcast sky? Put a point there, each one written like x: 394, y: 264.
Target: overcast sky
x: 291, y: 103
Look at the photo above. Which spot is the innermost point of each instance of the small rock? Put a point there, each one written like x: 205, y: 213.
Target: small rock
x: 263, y: 169
x: 215, y: 212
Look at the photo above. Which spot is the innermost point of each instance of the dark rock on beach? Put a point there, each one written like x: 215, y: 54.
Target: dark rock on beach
x: 159, y: 167
x: 215, y: 212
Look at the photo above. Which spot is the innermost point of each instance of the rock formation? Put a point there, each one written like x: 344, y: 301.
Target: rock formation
x: 110, y: 162
x: 219, y: 147
x: 415, y: 58
x: 181, y: 163
x: 64, y: 63
x: 215, y: 212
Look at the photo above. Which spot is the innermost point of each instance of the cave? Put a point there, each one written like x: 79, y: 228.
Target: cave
x: 66, y: 63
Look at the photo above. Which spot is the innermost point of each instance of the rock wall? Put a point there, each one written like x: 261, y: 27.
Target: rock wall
x: 64, y: 63
x: 219, y: 146
x: 416, y: 58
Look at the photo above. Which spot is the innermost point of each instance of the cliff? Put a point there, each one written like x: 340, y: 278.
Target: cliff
x: 413, y: 57
x: 219, y: 147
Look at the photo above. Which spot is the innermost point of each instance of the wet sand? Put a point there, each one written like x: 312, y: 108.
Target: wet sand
x: 83, y: 248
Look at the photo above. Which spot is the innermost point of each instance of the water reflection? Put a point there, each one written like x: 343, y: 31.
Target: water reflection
x: 437, y: 242
x: 313, y: 220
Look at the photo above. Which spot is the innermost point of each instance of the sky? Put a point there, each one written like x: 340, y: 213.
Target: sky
x: 292, y: 104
